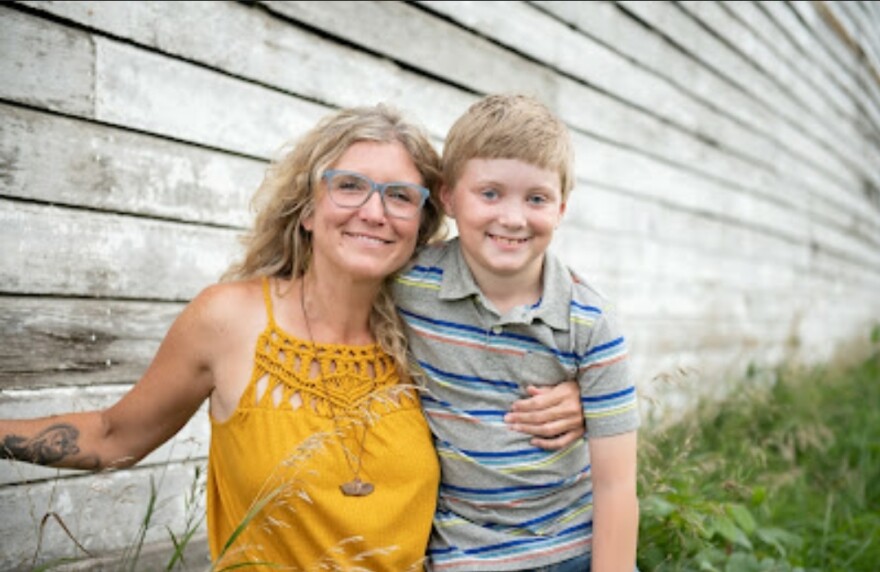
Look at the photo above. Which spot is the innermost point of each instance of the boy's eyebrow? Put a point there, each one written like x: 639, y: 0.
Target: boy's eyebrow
x: 493, y: 181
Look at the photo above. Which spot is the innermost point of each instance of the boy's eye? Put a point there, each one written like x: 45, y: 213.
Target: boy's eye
x: 489, y: 194
x: 537, y: 199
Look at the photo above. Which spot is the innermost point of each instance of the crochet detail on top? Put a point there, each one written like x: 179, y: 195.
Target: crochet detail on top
x: 286, y: 375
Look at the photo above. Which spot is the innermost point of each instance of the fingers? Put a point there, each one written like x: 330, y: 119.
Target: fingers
x: 552, y: 414
x: 540, y: 399
x: 558, y: 442
x: 552, y: 436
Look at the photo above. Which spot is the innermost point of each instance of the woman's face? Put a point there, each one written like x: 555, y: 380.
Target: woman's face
x: 364, y: 243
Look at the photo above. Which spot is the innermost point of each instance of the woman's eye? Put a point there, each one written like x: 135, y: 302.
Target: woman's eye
x: 350, y: 184
x: 401, y: 194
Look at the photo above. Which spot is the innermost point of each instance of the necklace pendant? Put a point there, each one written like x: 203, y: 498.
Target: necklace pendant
x: 356, y: 488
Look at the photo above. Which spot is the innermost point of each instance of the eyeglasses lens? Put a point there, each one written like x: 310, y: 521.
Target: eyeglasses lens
x: 350, y: 190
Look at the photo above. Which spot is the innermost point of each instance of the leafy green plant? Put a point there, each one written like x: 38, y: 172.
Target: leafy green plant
x: 785, y: 478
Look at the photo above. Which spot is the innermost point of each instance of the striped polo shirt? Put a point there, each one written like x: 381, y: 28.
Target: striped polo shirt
x: 503, y: 503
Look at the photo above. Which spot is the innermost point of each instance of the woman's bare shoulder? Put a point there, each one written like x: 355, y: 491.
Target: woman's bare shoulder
x: 240, y: 291
x: 226, y: 305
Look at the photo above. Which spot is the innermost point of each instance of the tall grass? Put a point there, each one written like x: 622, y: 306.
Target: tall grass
x: 784, y: 478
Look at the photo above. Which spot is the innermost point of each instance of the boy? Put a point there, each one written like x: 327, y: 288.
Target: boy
x: 491, y: 312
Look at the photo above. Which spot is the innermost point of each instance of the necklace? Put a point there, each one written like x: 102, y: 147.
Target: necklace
x: 355, y: 487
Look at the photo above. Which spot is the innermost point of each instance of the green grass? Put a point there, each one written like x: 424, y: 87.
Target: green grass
x: 784, y: 478
x: 779, y: 478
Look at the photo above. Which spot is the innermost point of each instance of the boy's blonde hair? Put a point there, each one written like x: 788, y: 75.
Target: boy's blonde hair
x: 510, y: 126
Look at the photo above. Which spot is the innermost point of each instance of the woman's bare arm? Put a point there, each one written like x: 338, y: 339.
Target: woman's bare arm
x: 175, y: 384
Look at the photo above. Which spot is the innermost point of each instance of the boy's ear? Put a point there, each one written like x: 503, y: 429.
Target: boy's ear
x: 447, y: 197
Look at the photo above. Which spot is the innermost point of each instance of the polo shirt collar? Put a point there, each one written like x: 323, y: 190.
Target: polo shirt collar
x: 458, y: 283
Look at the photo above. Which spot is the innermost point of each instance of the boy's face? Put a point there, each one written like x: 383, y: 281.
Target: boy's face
x: 506, y: 211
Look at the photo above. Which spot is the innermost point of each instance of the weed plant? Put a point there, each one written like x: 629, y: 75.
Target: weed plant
x: 785, y: 478
x: 782, y: 478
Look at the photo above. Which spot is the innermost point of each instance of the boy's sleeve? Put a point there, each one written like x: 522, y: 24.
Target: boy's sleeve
x: 608, y: 394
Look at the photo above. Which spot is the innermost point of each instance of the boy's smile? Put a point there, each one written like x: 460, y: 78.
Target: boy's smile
x: 506, y: 211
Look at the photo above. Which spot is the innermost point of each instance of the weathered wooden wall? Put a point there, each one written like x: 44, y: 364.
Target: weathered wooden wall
x: 728, y: 197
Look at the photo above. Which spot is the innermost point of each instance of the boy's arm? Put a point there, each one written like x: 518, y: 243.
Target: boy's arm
x: 615, y: 504
x: 553, y: 414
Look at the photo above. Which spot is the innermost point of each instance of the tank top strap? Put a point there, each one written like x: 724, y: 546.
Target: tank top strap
x: 267, y: 298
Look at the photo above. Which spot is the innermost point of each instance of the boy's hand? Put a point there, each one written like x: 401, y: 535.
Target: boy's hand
x: 552, y: 414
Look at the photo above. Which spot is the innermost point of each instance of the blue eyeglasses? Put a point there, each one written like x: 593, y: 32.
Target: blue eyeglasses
x: 351, y: 190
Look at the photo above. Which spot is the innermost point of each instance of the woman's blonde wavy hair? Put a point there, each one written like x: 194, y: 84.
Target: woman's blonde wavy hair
x: 279, y: 246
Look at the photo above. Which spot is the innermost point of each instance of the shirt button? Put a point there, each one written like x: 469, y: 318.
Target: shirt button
x: 497, y: 330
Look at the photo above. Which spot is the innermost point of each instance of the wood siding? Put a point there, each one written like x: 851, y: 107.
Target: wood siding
x: 727, y: 201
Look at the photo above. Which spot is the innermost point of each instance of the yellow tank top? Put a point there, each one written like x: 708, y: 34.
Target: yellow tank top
x: 277, y: 463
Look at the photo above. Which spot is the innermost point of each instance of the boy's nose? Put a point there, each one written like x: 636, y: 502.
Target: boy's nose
x: 512, y: 215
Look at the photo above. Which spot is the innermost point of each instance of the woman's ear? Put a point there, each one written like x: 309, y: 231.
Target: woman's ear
x: 307, y: 222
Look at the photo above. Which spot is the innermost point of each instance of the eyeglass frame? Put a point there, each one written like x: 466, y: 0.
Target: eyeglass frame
x: 375, y: 187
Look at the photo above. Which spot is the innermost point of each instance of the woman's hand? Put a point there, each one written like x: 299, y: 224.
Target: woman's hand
x: 553, y: 414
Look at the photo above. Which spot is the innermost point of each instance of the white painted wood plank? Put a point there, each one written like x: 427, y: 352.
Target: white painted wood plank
x: 785, y: 176
x: 53, y: 342
x: 608, y: 23
x: 849, y: 46
x: 615, y: 257
x: 153, y: 556
x: 614, y: 211
x: 777, y: 41
x: 859, y: 29
x: 831, y: 127
x: 839, y: 55
x: 810, y: 27
x: 527, y: 30
x: 624, y: 169
x: 110, y: 169
x: 146, y: 91
x: 524, y: 29
x: 813, y: 35
x: 44, y: 65
x: 53, y: 250
x: 247, y: 42
x: 815, y: 31
x: 414, y: 37
x: 103, y: 512
x: 140, y: 90
x: 675, y: 24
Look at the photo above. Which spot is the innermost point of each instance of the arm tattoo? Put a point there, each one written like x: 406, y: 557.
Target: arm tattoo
x: 49, y: 446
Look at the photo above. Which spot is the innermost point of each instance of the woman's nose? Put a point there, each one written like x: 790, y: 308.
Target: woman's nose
x: 373, y: 209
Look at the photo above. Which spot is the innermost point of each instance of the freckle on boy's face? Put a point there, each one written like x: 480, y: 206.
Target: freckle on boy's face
x: 506, y: 211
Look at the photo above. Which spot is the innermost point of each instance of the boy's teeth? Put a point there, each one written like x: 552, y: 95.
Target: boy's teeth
x: 510, y: 240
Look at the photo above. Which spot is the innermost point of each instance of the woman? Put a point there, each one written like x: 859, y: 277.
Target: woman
x: 319, y: 452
